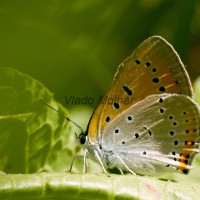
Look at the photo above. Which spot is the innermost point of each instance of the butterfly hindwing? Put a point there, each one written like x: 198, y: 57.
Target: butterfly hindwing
x: 147, y: 121
x: 160, y: 131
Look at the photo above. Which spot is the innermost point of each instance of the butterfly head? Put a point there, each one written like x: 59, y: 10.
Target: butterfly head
x: 83, y: 138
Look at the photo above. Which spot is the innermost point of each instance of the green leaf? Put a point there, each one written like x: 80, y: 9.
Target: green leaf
x: 33, y: 138
x: 91, y: 186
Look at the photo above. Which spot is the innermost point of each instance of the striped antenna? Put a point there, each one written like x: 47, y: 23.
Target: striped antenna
x: 60, y: 113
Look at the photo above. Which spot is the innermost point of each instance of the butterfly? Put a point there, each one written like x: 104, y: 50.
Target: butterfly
x: 152, y: 125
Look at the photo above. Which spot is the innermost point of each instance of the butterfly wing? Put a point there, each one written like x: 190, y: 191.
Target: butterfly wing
x: 153, y: 68
x: 160, y: 131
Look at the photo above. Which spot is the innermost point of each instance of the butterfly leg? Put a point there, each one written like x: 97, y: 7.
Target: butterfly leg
x: 72, y: 163
x: 102, y: 166
x: 85, y: 163
x: 126, y: 166
x: 121, y: 171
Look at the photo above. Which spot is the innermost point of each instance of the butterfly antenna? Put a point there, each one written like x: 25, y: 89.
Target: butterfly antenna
x: 60, y: 113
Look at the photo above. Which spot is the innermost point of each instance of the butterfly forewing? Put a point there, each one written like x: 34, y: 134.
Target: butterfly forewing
x: 153, y: 68
x: 158, y: 132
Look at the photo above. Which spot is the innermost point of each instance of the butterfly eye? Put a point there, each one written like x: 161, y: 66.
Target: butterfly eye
x: 82, y: 138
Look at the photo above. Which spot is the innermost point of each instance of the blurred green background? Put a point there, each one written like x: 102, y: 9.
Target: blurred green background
x: 74, y: 47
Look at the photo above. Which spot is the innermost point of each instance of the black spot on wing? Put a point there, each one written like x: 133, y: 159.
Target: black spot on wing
x: 127, y: 90
x: 116, y: 105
